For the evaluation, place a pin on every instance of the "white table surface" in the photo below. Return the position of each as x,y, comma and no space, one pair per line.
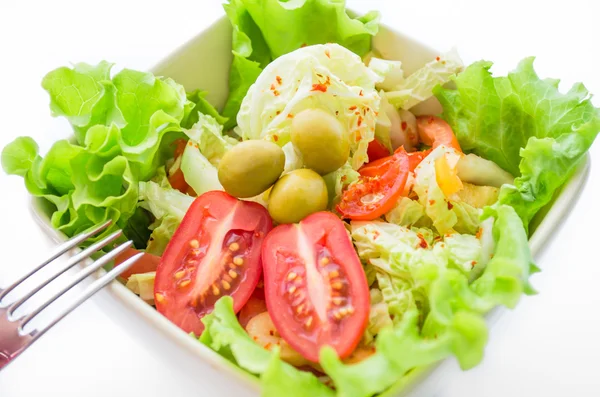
548,346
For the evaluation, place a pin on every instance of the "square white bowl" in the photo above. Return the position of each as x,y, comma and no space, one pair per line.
203,63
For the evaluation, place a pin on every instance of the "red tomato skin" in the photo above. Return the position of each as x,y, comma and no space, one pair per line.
434,131
387,177
376,150
210,210
147,263
326,234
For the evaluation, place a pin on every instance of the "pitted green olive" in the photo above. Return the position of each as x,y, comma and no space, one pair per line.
251,167
321,139
297,195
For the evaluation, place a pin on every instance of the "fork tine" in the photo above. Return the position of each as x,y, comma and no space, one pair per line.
78,278
91,290
75,259
60,250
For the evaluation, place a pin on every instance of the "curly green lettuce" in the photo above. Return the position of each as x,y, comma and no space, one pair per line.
124,126
523,124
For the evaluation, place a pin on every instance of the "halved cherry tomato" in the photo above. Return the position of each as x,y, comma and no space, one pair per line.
147,263
214,252
376,150
415,158
377,190
316,289
434,131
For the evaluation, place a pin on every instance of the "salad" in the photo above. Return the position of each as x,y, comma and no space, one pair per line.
318,231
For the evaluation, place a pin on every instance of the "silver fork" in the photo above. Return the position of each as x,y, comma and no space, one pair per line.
13,337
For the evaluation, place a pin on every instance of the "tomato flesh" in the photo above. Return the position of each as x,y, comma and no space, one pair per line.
376,150
315,286
434,131
147,263
214,252
378,189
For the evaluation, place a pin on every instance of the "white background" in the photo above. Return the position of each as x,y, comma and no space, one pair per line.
548,346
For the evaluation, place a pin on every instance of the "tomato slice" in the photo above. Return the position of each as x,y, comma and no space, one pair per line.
376,150
315,286
434,131
177,179
214,252
147,263
415,158
377,190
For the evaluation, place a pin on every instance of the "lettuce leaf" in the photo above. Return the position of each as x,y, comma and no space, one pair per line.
124,126
452,321
345,87
224,334
419,86
258,39
523,124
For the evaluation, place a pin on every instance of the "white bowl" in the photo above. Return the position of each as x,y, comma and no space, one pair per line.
203,63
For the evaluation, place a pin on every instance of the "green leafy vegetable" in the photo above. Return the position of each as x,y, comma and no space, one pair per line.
264,30
449,320
327,77
200,106
224,334
497,116
419,86
125,127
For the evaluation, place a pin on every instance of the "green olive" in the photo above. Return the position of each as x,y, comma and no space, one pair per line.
251,167
296,195
321,139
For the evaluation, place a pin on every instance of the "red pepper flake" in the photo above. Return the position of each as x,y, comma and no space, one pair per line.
450,206
404,125
360,93
473,263
357,136
290,116
272,88
268,346
196,146
190,143
364,111
343,178
276,93
479,232
422,243
437,59
327,54
359,121
303,45
319,87
278,112
278,78
375,235
431,202
357,113
275,138
337,112
271,333
352,108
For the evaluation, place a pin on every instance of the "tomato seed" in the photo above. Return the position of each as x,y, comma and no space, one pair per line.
333,274
337,285
337,301
291,276
234,247
300,308
238,260
160,298
308,322
226,285
324,261
194,243
232,274
292,289
215,290
184,283
179,274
